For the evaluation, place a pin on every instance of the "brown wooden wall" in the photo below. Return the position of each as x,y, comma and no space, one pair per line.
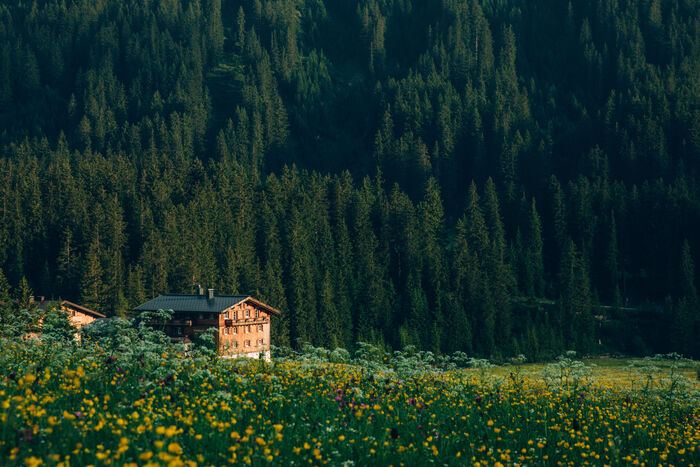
77,317
234,332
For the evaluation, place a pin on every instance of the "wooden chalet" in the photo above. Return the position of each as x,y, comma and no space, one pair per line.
79,315
242,322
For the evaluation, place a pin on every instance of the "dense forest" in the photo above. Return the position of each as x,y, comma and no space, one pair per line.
490,176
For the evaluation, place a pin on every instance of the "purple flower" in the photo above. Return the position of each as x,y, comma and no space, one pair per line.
25,434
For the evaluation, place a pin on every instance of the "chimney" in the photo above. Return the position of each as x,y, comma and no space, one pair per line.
200,290
210,294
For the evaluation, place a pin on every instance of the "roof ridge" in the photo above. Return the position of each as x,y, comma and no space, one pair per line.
197,295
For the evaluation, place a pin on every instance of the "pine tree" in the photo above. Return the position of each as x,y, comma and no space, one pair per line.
215,31
136,290
534,266
24,295
302,297
576,317
4,289
558,217
240,29
477,232
114,299
431,218
273,292
611,262
328,314
493,219
344,283
685,318
92,287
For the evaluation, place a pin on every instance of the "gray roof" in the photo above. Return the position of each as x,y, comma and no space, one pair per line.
192,303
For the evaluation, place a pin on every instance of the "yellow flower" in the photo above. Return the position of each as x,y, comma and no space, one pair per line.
33,461
144,456
259,441
175,449
277,427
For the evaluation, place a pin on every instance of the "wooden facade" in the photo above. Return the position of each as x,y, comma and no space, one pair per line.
242,323
79,315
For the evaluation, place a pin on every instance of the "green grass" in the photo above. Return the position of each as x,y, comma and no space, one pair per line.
89,405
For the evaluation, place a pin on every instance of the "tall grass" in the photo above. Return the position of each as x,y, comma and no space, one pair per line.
125,395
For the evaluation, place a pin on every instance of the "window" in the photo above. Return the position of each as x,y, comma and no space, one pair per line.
260,342
226,315
260,327
235,315
178,330
247,313
248,330
257,313
235,329
226,331
247,343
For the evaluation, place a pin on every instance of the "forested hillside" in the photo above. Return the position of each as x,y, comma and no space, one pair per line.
474,175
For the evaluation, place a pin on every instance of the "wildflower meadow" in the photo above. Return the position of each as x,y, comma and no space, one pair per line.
124,395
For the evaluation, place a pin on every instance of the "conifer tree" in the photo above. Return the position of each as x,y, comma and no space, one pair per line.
24,295
534,266
685,316
92,286
4,288
611,262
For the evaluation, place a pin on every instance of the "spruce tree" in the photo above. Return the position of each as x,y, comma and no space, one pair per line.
4,288
92,285
611,262
24,295
533,254
685,318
